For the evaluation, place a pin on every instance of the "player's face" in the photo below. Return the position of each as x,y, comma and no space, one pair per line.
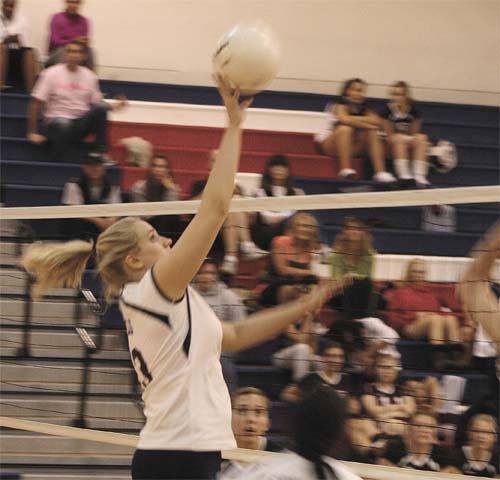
206,278
159,169
483,434
356,92
151,246
250,416
334,359
423,429
418,272
387,370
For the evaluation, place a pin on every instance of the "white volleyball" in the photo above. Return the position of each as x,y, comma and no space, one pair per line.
248,56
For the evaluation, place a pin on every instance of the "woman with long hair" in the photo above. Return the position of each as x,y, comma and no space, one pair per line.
318,428
291,259
159,186
402,123
174,337
352,128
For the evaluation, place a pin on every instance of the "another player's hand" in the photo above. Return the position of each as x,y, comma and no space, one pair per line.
231,99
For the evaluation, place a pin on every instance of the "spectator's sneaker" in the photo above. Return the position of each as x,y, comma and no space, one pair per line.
422,182
229,265
347,174
384,177
251,251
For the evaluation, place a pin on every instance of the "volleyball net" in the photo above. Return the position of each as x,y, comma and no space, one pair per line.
43,367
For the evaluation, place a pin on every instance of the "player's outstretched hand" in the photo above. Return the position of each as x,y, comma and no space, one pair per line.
231,98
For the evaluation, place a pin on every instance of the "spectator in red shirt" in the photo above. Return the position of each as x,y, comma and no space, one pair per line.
66,27
417,311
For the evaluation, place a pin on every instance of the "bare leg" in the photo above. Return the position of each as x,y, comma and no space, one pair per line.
30,69
376,151
242,225
400,152
4,58
420,164
452,328
230,235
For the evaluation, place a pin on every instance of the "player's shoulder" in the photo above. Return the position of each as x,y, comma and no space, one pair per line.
343,472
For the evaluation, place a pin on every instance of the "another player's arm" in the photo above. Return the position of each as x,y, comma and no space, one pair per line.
266,324
474,291
176,269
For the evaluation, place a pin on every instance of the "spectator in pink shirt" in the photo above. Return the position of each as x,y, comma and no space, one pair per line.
69,26
72,104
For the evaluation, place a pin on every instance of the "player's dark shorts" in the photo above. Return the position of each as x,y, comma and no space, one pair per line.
175,464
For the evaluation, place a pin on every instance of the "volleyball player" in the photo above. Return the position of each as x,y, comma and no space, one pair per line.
318,429
175,339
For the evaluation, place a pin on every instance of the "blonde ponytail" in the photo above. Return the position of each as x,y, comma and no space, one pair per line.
56,264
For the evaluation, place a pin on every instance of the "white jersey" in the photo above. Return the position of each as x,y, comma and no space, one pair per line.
288,466
175,349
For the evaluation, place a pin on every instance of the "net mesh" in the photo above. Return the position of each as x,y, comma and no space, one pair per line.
395,340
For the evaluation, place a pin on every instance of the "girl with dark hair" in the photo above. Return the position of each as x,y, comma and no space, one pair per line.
159,186
402,124
318,430
351,128
276,182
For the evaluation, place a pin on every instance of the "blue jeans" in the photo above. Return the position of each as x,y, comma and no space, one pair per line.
62,132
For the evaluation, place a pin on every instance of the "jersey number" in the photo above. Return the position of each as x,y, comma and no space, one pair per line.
143,374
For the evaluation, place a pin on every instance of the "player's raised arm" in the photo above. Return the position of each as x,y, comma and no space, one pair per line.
175,269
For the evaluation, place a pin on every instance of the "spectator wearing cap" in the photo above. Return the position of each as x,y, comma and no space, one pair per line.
66,27
91,188
276,182
17,61
72,104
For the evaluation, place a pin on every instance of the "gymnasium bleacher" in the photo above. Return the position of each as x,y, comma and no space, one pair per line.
30,179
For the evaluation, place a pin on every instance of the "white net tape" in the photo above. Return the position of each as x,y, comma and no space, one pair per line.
405,198
367,472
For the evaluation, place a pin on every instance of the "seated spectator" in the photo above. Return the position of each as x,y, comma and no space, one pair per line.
18,62
384,400
159,186
420,449
73,106
93,187
276,182
235,233
402,123
353,253
291,259
67,27
427,394
416,311
227,306
352,128
480,456
251,420
330,365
